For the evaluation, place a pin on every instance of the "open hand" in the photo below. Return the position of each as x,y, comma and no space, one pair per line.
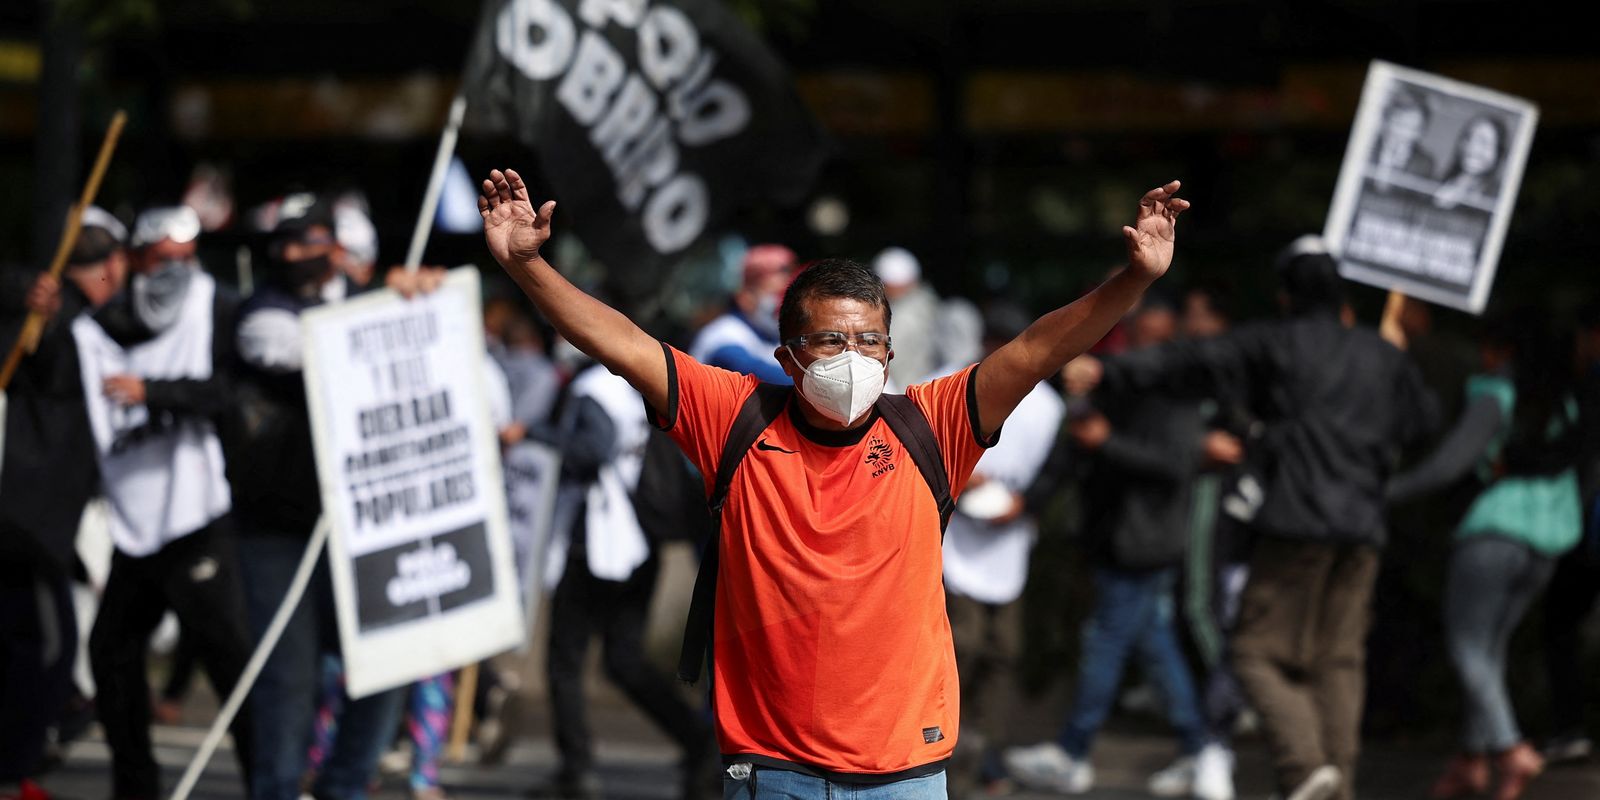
514,231
1150,238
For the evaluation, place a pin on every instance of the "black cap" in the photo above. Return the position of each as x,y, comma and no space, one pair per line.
298,213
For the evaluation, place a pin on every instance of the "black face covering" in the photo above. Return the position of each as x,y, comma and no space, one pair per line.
307,275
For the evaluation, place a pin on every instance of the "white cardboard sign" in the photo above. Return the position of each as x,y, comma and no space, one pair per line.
409,467
1429,180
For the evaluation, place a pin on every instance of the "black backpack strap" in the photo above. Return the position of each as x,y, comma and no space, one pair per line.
912,429
759,411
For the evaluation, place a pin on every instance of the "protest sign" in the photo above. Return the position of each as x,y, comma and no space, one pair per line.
1429,179
411,482
653,122
533,473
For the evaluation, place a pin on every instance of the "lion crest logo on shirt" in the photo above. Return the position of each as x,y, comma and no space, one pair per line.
880,456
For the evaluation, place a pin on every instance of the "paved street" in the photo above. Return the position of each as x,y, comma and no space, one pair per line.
637,763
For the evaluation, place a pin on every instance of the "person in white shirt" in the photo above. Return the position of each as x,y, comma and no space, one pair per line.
152,362
744,338
986,548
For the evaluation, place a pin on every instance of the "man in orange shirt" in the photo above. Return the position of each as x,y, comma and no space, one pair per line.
833,665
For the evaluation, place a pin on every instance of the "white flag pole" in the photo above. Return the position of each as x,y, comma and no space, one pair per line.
441,164
258,659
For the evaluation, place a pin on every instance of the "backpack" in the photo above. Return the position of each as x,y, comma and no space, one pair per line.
666,499
758,413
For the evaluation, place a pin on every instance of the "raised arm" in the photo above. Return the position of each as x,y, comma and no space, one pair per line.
515,232
1063,334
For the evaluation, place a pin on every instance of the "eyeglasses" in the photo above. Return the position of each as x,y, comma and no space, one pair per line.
825,344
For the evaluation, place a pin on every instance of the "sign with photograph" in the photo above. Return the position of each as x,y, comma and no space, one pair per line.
409,467
1429,180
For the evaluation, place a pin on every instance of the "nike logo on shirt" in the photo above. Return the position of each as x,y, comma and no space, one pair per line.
762,445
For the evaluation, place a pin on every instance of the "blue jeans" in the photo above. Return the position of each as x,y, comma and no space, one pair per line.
778,784
283,702
1491,584
1133,610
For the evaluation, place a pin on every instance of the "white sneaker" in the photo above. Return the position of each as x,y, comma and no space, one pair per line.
1213,774
1568,748
1177,780
1047,766
1321,784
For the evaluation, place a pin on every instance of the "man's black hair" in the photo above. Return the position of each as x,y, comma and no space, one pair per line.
829,277
1541,371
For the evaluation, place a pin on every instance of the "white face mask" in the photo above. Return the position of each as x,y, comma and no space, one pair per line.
844,386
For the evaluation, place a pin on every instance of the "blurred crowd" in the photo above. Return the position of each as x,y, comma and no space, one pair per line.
1233,482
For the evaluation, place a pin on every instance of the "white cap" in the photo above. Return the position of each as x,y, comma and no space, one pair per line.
1309,244
356,234
897,267
97,217
178,223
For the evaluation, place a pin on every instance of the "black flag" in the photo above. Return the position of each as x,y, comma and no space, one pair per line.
652,121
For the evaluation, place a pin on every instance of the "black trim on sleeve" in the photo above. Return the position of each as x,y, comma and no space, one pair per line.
972,411
665,422
856,778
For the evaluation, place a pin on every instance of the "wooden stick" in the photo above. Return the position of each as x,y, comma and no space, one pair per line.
466,690
28,341
1389,327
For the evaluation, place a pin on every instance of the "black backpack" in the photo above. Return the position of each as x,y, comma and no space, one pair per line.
667,499
758,413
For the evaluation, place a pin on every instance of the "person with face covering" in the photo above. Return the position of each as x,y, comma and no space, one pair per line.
154,370
833,670
278,502
742,339
48,475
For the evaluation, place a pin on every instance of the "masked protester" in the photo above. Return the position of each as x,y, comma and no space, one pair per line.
47,476
155,381
833,669
742,339
274,482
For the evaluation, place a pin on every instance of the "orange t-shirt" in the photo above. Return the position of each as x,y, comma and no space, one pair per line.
833,653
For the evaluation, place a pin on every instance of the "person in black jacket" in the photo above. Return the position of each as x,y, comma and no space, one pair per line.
1146,450
47,474
273,472
1337,404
